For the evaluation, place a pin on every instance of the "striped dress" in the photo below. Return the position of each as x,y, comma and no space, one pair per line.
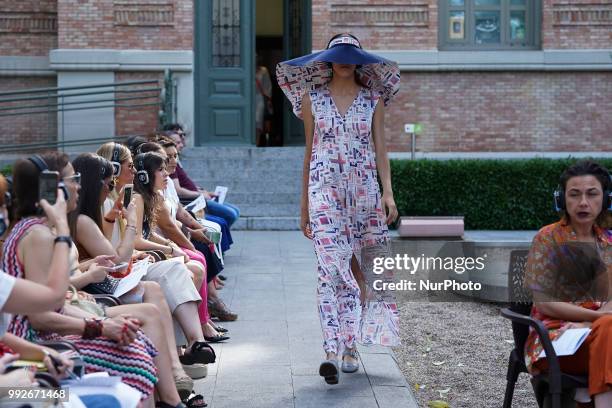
133,363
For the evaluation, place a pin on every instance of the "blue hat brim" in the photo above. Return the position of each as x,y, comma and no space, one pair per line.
304,74
340,54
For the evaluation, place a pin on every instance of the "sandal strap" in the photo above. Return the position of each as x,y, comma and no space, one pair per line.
195,401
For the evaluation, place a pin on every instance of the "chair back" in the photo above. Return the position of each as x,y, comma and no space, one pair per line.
520,296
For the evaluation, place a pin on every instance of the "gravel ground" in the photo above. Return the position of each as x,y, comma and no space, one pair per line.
461,348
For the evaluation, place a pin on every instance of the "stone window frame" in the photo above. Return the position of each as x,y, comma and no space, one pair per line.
533,28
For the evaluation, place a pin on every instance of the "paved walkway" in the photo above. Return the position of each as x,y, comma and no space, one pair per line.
273,356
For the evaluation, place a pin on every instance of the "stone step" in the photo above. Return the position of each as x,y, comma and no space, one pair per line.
258,197
268,209
267,223
242,152
264,183
281,189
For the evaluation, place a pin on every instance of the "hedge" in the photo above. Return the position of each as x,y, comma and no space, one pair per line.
490,194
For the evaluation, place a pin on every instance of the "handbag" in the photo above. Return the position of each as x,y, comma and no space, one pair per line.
85,305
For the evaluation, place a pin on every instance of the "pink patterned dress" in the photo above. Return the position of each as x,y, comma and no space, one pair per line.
347,218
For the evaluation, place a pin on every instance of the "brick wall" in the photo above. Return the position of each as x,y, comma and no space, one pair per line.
379,24
577,24
28,27
136,120
28,128
121,24
529,111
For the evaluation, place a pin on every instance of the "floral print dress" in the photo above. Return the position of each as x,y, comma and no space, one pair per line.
347,218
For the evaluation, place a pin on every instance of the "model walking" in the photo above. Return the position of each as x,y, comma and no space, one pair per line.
337,93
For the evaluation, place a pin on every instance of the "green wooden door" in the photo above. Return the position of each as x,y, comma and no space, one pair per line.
297,42
224,71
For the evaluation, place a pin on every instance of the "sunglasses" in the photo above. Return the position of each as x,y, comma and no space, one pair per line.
75,178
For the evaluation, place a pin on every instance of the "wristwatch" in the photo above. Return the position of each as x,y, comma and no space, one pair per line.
63,238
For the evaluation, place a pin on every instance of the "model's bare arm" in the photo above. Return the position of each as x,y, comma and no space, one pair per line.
382,163
308,132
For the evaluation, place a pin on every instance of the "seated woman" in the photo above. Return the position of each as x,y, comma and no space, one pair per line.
167,217
86,223
40,298
151,178
555,273
120,343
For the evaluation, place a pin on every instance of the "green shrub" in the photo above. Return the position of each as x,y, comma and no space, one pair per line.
6,170
490,194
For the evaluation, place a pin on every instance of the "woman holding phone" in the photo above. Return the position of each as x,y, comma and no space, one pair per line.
40,298
117,345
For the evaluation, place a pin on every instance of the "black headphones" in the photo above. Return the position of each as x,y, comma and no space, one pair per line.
39,162
141,174
115,160
41,165
559,197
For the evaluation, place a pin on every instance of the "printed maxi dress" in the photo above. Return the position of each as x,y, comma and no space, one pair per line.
347,219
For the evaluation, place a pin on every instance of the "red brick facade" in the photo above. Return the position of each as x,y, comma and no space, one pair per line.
485,111
374,22
156,25
579,24
28,27
138,120
461,111
30,128
503,111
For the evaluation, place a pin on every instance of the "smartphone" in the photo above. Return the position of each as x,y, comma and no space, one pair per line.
119,267
47,186
40,366
213,236
127,195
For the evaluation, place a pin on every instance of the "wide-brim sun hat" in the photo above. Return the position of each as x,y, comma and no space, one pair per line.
307,73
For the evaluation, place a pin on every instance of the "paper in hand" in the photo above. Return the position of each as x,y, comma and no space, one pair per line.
220,192
196,205
139,269
568,342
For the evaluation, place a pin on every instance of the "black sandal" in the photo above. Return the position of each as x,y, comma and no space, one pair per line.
162,404
195,401
216,339
199,352
218,328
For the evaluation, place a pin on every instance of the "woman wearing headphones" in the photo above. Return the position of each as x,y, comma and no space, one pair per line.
564,295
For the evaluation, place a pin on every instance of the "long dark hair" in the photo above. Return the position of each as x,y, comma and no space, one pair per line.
94,170
149,162
25,183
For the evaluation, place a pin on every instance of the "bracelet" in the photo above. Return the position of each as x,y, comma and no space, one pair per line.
93,329
109,221
63,238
